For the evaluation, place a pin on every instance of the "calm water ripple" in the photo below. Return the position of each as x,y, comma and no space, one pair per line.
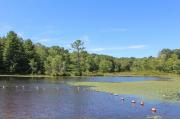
55,99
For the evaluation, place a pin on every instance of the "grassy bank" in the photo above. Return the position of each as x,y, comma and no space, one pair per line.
18,75
168,90
139,73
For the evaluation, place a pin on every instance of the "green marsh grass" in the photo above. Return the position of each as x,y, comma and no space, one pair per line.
167,89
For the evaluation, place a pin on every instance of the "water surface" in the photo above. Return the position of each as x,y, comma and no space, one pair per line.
54,98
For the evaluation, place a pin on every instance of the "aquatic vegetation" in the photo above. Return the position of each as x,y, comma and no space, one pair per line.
168,90
154,117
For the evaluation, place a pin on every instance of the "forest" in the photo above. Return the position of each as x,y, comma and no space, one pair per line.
19,56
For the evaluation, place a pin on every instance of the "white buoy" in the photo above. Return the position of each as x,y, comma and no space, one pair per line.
133,101
78,89
37,88
142,103
153,109
3,87
122,98
16,86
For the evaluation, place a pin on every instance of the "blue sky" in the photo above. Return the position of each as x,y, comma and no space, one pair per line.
121,28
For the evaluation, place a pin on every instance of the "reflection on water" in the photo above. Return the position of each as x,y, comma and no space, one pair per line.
47,98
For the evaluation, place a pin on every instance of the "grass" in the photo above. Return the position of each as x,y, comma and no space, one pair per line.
30,75
168,90
139,73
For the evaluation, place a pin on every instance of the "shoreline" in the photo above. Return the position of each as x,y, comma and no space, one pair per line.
120,74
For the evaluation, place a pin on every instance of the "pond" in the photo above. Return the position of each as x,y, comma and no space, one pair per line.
55,98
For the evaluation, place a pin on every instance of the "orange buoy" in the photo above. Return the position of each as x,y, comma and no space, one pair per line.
133,101
142,103
153,109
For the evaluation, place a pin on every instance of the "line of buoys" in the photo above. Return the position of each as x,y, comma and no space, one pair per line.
153,109
37,88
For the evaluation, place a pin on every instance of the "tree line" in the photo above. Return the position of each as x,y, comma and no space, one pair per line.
19,56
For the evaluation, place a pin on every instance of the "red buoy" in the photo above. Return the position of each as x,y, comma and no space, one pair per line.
153,109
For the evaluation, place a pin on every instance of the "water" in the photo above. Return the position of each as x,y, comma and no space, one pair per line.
53,98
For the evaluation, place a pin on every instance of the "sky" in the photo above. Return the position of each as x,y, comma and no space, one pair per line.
120,28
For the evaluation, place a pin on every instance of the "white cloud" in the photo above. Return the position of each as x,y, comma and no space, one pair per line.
85,38
131,47
115,30
137,46
48,37
43,40
21,34
98,49
4,29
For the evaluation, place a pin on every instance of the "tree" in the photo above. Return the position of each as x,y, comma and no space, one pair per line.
177,52
165,54
105,66
176,67
30,55
57,61
14,55
78,48
29,49
33,66
126,64
137,65
40,57
18,56
1,56
91,63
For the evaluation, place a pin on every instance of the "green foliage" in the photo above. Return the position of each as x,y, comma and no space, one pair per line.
91,63
1,55
176,66
105,66
33,66
78,49
57,61
18,56
166,90
14,55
